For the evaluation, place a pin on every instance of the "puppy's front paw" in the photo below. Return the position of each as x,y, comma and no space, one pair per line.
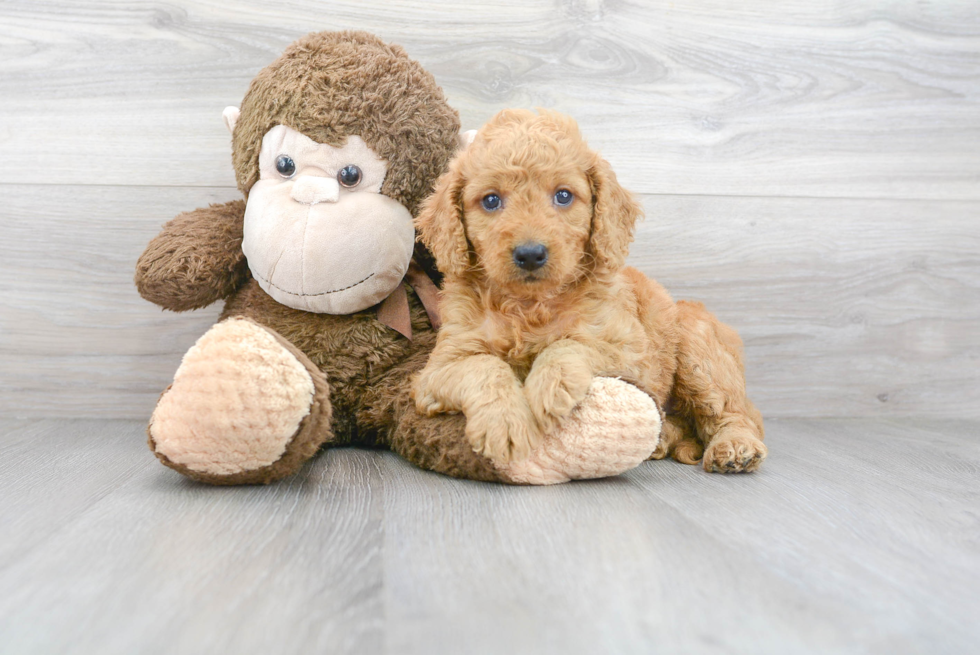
428,405
613,429
503,431
427,401
553,390
738,453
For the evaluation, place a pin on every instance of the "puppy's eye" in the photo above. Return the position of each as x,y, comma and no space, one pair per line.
285,165
563,197
349,176
491,202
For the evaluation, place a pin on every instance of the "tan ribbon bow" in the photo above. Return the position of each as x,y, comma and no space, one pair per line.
393,310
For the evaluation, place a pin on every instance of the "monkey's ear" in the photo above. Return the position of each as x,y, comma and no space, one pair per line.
440,223
614,214
230,115
465,139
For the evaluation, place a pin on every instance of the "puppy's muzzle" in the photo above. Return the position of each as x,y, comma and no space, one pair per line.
530,256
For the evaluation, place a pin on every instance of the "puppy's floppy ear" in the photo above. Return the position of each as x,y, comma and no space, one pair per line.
440,223
614,214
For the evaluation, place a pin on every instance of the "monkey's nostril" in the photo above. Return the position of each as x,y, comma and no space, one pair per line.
530,256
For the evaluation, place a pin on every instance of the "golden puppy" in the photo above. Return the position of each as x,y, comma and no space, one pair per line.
532,230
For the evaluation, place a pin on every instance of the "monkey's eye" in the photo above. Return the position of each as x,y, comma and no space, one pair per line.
349,176
563,197
491,202
285,165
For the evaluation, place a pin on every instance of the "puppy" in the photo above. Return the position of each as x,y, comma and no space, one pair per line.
531,231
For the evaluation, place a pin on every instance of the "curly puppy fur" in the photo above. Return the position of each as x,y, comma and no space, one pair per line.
520,344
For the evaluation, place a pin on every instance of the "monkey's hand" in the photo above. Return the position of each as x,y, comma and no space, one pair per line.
196,259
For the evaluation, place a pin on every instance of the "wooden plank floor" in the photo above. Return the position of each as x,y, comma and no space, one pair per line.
859,535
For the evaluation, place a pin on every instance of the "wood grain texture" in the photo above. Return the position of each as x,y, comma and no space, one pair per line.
831,548
847,307
75,337
858,535
827,98
111,554
812,172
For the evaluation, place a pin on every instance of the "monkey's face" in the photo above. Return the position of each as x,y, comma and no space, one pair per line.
319,235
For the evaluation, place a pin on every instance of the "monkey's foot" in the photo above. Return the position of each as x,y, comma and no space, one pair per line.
612,430
245,407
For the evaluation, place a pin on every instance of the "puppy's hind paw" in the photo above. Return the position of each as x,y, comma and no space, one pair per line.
739,453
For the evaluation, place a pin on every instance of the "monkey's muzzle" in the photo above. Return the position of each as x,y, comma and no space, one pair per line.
313,189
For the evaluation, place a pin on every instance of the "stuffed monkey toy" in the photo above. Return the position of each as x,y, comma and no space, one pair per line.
330,304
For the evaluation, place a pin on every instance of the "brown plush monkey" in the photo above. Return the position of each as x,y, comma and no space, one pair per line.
329,305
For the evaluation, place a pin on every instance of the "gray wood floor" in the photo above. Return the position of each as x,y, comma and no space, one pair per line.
858,536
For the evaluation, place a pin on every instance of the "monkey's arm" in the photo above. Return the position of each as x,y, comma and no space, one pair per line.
196,259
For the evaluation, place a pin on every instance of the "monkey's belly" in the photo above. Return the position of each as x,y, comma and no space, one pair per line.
353,350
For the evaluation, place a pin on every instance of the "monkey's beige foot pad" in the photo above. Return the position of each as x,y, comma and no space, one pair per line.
245,406
613,429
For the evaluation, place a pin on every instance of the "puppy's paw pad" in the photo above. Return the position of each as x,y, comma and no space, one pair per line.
737,454
236,401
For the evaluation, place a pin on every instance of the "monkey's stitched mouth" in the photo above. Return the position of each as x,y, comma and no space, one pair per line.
311,295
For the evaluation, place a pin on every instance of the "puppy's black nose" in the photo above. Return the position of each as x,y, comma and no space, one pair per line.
530,256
